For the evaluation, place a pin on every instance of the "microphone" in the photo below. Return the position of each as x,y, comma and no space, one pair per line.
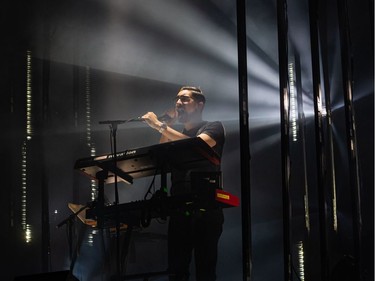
112,122
164,118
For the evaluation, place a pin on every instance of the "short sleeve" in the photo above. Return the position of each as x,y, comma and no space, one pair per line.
217,132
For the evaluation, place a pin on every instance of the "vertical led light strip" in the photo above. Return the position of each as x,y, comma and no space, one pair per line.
89,142
293,101
29,131
26,228
301,260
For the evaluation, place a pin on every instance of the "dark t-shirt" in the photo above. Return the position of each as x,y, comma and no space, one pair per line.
181,178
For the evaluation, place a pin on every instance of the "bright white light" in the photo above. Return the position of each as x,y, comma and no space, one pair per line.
301,260
28,233
24,187
29,129
293,101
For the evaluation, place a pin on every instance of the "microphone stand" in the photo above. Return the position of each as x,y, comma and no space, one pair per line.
69,222
113,127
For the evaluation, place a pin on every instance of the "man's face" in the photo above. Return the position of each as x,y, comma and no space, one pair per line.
187,108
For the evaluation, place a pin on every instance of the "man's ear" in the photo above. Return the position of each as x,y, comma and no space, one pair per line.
201,105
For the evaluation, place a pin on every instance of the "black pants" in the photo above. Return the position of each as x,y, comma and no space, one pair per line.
199,232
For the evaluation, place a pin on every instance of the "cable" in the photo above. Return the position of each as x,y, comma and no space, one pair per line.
152,184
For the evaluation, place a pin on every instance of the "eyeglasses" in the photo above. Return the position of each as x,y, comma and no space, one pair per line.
183,99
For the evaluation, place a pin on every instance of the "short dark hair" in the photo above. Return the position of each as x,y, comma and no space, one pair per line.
196,93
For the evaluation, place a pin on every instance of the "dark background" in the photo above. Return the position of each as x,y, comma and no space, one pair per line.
97,60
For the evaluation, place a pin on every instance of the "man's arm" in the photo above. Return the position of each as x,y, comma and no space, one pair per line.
170,134
210,141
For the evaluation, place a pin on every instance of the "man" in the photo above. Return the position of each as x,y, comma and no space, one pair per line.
200,231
